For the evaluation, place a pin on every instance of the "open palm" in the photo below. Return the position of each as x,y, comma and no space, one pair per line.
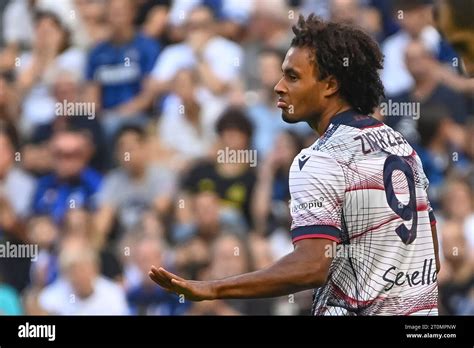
192,290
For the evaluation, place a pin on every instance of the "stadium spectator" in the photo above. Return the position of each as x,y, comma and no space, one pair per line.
454,21
356,13
42,231
187,124
457,288
72,184
427,89
16,186
439,150
205,224
216,60
16,191
9,103
90,27
15,37
52,50
67,88
229,256
231,176
144,298
118,68
457,190
415,19
269,28
80,290
135,187
272,193
152,17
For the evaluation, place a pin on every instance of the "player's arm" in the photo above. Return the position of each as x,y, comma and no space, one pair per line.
304,268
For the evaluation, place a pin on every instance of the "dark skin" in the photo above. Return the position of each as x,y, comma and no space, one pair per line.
302,97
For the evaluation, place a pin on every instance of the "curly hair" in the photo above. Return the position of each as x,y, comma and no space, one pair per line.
348,54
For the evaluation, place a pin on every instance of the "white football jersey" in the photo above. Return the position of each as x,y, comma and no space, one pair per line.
362,186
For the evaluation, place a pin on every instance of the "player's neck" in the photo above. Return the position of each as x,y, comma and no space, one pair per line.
323,121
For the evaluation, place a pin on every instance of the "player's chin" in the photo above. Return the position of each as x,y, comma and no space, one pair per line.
288,118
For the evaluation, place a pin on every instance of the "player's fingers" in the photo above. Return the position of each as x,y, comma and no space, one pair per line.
163,282
180,285
161,276
169,275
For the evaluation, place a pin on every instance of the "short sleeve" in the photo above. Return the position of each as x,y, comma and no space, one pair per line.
317,188
111,190
171,60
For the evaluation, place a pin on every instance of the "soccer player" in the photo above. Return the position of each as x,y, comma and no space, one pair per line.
360,186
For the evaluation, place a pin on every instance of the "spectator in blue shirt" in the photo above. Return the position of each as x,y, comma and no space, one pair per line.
72,184
117,68
143,297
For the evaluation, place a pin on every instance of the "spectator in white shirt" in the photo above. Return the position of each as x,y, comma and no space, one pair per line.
217,60
51,51
187,123
81,290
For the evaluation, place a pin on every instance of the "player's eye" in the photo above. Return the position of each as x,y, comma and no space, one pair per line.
293,78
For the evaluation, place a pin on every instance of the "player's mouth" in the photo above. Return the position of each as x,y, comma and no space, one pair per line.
282,104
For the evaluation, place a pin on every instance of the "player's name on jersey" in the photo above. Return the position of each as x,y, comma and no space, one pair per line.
375,139
424,276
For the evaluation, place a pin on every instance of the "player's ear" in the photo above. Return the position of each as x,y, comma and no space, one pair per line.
332,86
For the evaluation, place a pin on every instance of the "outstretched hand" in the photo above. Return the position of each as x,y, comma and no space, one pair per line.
192,290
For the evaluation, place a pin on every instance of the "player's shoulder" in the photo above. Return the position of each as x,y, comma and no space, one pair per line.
314,160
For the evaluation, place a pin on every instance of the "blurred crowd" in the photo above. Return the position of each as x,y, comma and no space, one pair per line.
112,113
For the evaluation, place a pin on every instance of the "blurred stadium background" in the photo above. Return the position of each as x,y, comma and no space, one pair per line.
111,116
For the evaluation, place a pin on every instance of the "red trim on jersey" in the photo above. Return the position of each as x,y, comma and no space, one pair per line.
354,302
317,235
420,308
373,126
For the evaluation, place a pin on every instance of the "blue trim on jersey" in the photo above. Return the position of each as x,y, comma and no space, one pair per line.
316,229
354,119
432,217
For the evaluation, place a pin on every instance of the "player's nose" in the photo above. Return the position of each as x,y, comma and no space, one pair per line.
280,88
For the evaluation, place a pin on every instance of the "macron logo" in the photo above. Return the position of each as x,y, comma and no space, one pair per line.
37,331
303,160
